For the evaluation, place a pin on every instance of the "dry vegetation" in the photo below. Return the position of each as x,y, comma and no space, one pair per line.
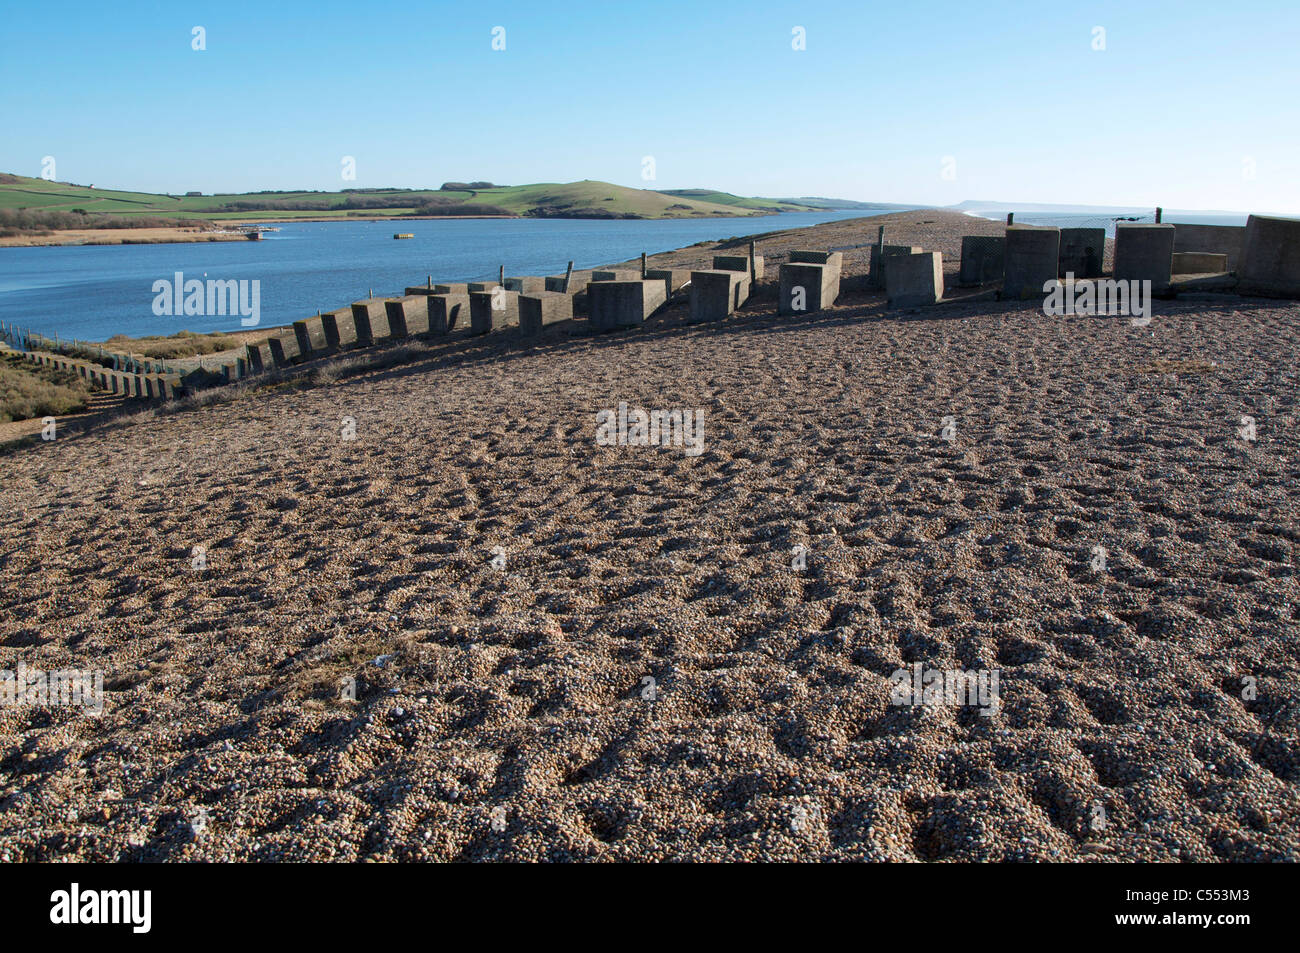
27,390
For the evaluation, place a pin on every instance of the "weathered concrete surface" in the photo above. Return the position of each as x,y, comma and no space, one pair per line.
493,310
738,263
425,289
674,279
310,333
716,293
259,357
340,328
1144,253
526,284
914,280
371,320
1270,257
623,304
577,283
808,286
879,262
483,285
811,256
284,350
606,274
1199,263
541,308
1217,239
577,289
983,258
1032,257
448,312
408,316
452,288
1082,252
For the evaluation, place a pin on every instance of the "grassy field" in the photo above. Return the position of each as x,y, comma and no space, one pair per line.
586,199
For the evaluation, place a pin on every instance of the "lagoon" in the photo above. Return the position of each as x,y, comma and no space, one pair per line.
94,292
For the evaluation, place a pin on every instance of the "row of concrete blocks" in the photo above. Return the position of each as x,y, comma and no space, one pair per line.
153,386
612,299
1264,254
621,299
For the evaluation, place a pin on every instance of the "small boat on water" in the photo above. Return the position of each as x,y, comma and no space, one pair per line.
404,235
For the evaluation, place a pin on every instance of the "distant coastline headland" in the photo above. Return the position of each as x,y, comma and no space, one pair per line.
35,211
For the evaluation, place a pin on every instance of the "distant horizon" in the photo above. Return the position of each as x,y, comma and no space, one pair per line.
963,205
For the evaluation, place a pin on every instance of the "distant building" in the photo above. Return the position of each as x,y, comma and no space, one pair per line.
188,194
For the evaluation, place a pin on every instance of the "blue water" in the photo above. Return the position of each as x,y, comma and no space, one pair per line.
94,292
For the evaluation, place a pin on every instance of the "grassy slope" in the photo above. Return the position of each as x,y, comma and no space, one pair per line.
726,198
20,191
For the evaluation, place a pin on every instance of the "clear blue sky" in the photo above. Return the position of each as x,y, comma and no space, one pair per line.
1187,99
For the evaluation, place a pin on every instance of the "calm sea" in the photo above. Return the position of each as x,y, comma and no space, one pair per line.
92,293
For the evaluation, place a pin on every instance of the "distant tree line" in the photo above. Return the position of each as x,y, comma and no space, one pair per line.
468,186
14,222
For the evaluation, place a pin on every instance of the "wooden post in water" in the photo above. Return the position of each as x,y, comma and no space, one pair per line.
429,282
501,275
1160,213
568,276
1011,218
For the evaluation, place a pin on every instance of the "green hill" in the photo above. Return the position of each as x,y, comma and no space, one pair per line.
586,199
726,198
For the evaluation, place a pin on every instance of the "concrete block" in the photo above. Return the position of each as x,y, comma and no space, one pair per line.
807,286
1199,262
578,282
982,259
448,312
1270,257
1217,239
1081,252
1144,253
493,310
421,290
259,357
371,320
526,284
623,304
616,275
284,350
1032,257
878,262
716,293
408,316
310,333
738,263
542,308
340,328
142,389
812,257
674,279
482,286
453,288
915,280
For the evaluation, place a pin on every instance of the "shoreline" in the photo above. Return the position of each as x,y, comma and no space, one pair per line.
80,237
